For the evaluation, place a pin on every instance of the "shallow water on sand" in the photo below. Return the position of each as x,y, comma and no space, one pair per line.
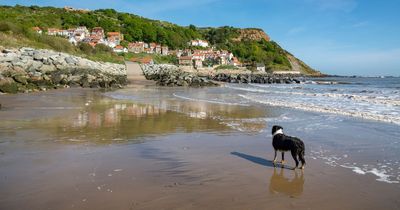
169,148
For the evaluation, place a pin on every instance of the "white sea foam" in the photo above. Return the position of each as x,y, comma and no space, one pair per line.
208,101
373,99
381,174
383,171
365,114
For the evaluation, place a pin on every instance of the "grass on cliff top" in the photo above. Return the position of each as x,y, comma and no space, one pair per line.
16,36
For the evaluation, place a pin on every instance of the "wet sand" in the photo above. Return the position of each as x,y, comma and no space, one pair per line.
78,149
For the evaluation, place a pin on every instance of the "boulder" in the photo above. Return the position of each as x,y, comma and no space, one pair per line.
8,85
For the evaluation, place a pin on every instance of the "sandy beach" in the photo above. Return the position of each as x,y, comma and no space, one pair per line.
80,149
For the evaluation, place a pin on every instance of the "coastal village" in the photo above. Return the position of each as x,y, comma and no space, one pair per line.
203,54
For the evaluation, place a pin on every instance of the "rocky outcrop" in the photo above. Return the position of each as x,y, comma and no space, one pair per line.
170,75
255,78
251,34
27,69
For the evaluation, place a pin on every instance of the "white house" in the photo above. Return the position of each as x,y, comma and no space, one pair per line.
120,49
72,40
260,67
198,42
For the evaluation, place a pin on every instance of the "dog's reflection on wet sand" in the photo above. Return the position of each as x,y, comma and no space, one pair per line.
290,185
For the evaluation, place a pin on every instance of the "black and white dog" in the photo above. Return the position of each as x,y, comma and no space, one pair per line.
284,143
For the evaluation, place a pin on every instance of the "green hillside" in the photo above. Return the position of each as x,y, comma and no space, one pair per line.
17,20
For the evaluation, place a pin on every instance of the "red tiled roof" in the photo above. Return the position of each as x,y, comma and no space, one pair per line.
113,33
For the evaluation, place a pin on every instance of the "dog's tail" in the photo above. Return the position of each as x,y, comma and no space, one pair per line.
302,153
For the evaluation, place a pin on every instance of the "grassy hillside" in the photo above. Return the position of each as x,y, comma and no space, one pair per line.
248,47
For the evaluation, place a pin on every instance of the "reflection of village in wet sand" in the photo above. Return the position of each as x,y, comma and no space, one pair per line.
112,120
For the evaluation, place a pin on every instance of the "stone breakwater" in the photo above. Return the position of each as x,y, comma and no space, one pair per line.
262,78
27,70
171,75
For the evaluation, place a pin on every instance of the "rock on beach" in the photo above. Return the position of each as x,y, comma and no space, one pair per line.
28,69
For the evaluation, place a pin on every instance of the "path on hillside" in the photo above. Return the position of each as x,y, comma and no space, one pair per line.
135,75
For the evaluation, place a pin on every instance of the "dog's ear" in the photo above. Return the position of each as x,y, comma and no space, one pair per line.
276,128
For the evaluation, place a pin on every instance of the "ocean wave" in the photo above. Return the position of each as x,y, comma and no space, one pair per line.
388,99
327,109
209,101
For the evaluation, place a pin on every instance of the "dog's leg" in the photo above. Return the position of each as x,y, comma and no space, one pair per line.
294,155
283,158
274,158
303,161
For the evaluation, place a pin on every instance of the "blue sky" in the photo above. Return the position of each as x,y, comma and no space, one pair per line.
346,37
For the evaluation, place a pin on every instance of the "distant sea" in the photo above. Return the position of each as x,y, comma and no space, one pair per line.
368,98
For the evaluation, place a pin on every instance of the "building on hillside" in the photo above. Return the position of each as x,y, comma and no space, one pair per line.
120,49
53,31
223,60
152,47
164,50
199,43
235,62
82,30
63,33
114,38
136,47
79,37
98,32
260,67
37,30
197,62
72,40
71,32
198,56
185,61
157,50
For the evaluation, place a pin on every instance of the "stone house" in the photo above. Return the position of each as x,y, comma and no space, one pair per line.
136,47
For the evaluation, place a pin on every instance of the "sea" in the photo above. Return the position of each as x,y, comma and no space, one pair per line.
347,122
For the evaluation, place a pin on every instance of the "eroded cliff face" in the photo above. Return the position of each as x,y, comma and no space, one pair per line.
251,34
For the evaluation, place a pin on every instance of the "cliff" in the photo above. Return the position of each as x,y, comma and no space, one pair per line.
251,34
